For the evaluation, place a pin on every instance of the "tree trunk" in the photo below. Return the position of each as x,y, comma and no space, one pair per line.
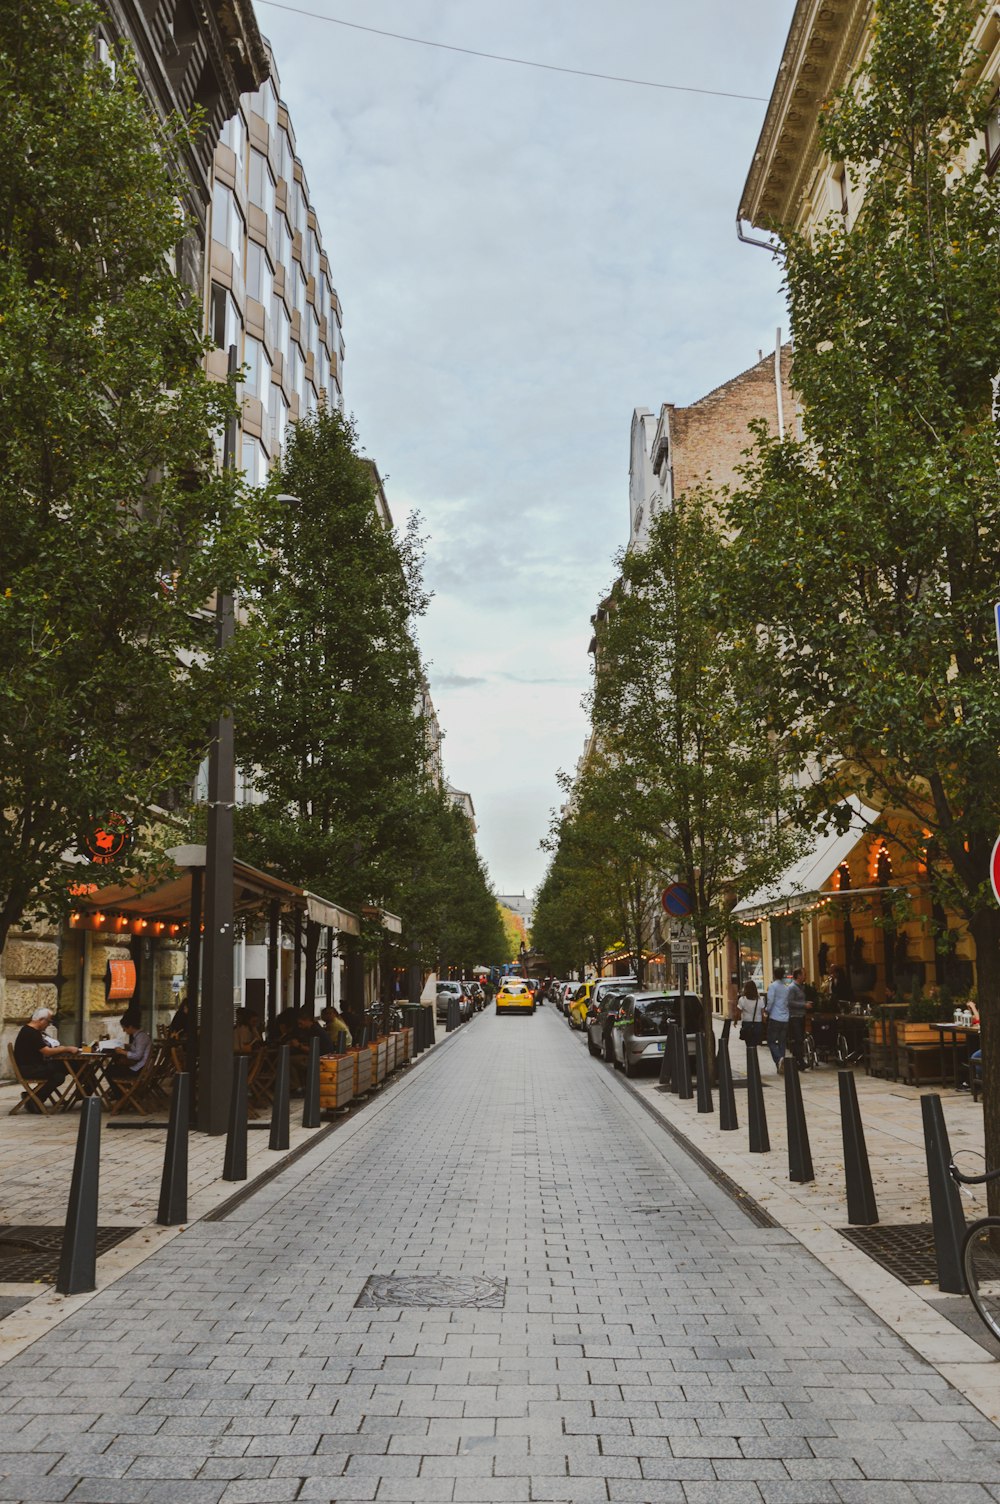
985,928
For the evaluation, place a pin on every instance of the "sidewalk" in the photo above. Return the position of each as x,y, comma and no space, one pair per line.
36,1163
814,1212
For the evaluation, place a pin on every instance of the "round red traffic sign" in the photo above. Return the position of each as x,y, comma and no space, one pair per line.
676,900
995,870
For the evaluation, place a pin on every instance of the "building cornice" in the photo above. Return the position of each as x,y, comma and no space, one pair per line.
820,51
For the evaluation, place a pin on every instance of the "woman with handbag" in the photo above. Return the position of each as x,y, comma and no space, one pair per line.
751,1010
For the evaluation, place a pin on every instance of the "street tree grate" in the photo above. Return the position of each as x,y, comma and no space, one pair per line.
30,1255
478,1292
905,1249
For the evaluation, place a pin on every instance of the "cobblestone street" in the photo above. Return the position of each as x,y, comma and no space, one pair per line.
654,1343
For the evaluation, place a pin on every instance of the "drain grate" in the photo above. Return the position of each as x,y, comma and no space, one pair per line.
477,1292
905,1249
30,1255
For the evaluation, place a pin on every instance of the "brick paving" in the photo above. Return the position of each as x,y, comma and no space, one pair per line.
654,1344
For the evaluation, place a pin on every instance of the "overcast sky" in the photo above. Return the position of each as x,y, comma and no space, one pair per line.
523,258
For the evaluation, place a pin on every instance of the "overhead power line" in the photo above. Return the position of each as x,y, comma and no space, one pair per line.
520,62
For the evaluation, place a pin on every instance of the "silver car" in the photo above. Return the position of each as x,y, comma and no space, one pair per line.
639,1032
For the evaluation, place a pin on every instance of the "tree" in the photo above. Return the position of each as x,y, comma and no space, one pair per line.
676,701
116,523
327,705
873,543
575,909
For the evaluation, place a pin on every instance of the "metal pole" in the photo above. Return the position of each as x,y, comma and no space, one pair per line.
194,968
760,1142
800,1165
280,1101
310,1103
235,1166
217,1013
727,1097
946,1203
862,1210
273,955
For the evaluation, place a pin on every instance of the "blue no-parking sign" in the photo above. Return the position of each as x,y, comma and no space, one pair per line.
676,900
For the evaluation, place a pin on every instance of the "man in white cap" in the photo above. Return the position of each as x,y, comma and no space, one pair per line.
38,1058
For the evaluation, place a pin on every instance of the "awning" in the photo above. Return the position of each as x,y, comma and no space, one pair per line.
801,883
331,916
170,899
390,922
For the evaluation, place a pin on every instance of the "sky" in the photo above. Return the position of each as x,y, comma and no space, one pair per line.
523,258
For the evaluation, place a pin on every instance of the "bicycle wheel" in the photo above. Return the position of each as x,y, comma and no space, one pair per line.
981,1262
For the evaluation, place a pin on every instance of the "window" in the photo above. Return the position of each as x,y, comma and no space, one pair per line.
298,288
279,419
282,241
228,228
786,942
234,135
285,156
257,382
259,274
993,137
298,207
261,187
254,462
279,325
265,104
224,318
312,253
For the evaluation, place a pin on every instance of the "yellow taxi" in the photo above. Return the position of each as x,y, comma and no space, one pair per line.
515,996
576,1011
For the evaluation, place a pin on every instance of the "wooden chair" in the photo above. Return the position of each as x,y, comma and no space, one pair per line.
260,1076
146,1091
54,1102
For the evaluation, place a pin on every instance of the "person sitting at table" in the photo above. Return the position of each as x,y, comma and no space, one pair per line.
130,1059
336,1024
247,1035
37,1057
181,1021
281,1029
307,1029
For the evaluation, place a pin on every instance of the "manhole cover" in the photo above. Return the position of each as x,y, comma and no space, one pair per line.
31,1254
905,1249
479,1292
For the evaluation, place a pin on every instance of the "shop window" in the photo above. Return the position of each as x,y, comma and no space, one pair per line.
883,866
751,942
843,877
786,942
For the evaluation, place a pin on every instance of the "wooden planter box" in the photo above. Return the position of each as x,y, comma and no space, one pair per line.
378,1050
362,1070
404,1049
390,1054
905,1032
336,1082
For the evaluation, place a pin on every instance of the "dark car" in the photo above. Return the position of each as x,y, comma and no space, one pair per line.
639,1032
604,1005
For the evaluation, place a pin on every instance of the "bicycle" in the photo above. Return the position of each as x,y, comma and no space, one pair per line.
981,1256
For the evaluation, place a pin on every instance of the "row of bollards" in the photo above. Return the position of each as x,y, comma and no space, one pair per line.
77,1272
948,1218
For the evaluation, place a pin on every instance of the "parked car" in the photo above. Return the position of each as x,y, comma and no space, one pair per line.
447,992
639,1032
605,1002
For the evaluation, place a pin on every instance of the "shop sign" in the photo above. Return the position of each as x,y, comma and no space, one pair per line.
106,841
119,980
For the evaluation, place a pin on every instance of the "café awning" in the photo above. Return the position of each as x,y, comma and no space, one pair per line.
169,899
800,885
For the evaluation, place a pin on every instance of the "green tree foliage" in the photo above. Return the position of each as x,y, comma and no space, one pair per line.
448,908
327,710
575,910
676,704
871,548
116,524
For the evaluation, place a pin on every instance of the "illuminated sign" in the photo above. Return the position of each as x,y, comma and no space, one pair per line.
107,841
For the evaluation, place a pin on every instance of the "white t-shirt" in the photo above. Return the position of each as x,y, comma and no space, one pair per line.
751,1009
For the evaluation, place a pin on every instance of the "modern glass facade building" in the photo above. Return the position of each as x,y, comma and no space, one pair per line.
270,293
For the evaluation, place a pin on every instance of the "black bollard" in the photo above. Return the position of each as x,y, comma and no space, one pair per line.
684,1089
235,1164
310,1102
701,1072
760,1142
448,1018
666,1081
340,1043
78,1260
173,1208
280,1102
946,1203
430,1023
727,1097
861,1208
800,1165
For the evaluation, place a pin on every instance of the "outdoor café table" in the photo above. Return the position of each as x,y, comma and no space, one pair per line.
88,1072
968,1032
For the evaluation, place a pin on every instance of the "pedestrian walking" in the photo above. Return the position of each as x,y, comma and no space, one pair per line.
776,1014
750,1008
797,1003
